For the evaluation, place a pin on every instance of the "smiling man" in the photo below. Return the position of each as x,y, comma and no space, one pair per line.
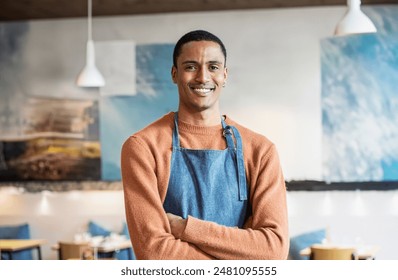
198,185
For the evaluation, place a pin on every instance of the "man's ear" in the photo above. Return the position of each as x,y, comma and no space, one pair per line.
174,74
225,74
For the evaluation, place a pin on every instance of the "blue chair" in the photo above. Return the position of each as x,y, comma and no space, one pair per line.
126,254
304,240
16,232
97,230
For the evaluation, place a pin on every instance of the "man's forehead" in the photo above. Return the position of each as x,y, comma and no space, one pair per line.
201,45
192,51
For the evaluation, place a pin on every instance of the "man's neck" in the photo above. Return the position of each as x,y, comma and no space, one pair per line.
203,118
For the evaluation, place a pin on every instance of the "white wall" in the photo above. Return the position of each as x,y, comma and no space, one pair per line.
273,53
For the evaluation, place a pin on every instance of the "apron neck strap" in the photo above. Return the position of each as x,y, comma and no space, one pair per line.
227,132
176,139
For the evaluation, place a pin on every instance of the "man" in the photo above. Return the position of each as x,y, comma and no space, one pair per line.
198,185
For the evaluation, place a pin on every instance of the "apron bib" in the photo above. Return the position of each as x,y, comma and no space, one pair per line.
208,184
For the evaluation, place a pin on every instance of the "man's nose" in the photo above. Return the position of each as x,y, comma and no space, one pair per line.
203,75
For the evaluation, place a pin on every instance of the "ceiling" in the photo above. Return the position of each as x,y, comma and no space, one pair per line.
13,10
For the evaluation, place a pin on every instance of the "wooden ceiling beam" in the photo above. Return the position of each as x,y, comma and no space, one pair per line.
12,10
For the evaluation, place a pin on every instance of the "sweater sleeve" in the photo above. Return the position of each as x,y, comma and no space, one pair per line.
265,234
147,221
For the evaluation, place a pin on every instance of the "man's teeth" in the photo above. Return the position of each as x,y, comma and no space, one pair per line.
202,90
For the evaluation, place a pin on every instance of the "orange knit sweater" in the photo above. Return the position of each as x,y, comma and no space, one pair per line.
145,166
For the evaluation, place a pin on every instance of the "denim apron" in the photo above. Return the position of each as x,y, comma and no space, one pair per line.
208,184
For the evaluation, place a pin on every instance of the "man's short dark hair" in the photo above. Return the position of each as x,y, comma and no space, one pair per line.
197,35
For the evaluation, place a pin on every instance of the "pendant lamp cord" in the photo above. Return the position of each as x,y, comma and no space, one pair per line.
89,21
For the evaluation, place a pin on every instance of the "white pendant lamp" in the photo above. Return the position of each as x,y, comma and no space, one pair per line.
90,76
354,21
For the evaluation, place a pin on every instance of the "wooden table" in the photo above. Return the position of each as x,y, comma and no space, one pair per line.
362,252
14,245
108,247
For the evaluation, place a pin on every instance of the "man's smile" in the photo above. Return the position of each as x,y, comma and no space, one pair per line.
202,90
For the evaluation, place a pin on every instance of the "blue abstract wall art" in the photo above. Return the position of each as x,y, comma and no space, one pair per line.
121,116
360,103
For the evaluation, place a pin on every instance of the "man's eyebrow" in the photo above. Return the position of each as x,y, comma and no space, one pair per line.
195,62
190,62
215,62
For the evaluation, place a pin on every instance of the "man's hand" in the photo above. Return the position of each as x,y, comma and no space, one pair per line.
177,225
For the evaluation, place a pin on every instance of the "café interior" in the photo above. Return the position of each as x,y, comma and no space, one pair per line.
318,84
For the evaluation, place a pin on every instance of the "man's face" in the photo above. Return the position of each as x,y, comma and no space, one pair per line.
200,75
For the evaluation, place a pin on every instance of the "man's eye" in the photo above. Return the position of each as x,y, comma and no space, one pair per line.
214,67
190,67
